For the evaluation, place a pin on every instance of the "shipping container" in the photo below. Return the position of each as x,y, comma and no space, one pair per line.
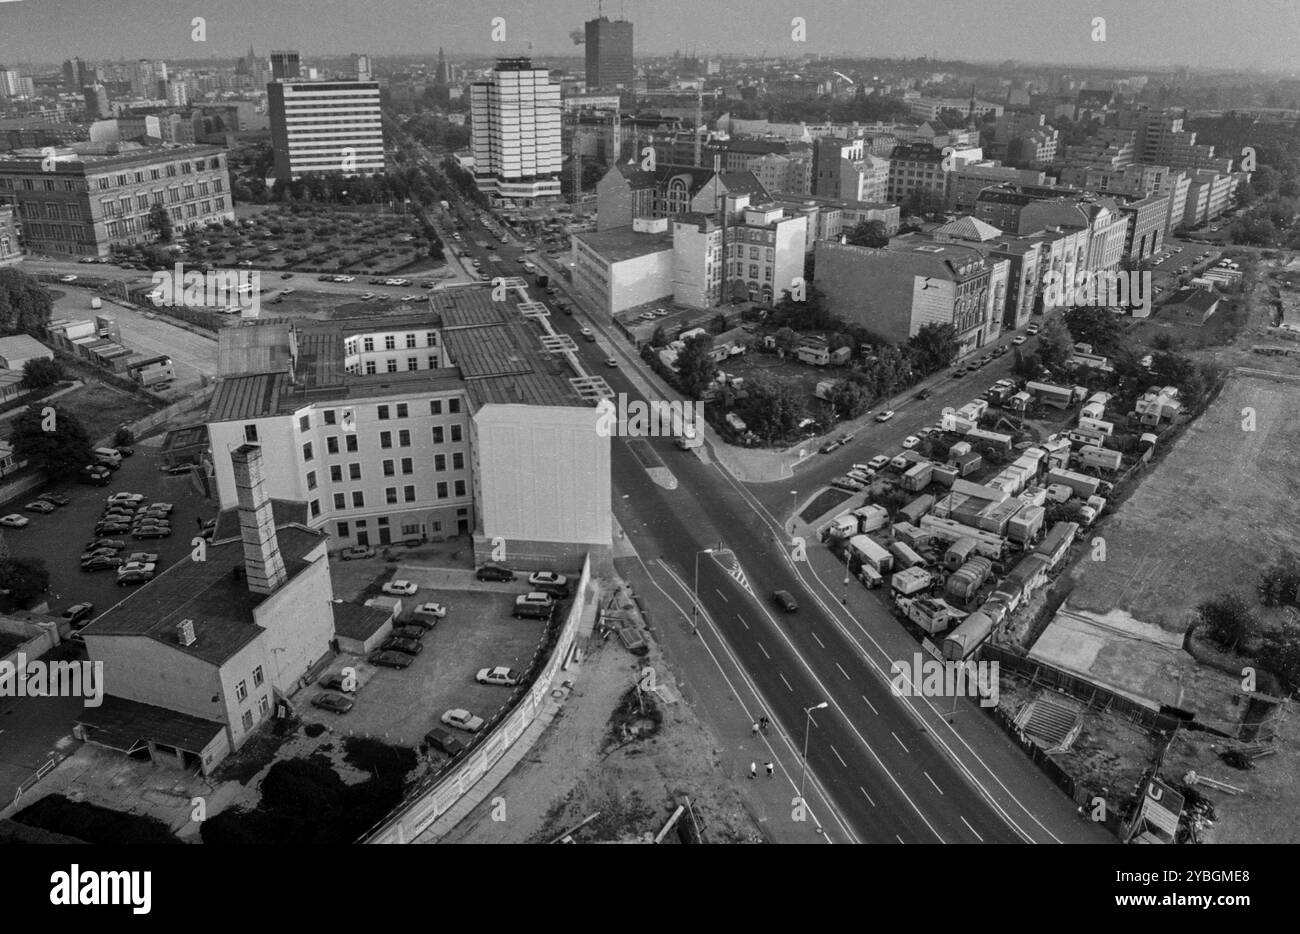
917,478
910,581
967,637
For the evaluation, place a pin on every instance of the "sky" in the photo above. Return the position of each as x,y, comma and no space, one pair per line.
1198,33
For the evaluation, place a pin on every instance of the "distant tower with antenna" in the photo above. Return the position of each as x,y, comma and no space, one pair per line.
609,52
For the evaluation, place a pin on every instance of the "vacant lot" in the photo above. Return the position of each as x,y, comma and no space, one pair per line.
1218,508
103,407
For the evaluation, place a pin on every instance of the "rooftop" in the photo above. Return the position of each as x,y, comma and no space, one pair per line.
207,592
623,243
127,725
354,621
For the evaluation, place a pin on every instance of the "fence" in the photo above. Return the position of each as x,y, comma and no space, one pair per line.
31,780
143,425
438,794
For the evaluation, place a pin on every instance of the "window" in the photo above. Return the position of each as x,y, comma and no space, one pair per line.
241,691
304,423
311,479
351,444
354,471
370,368
404,438
435,407
315,508
440,462
385,439
248,714
383,413
411,529
401,410
458,461
250,434
358,499
442,490
392,364
340,501
306,451
433,362
263,705
368,344
409,493
408,465
410,340
390,342
437,527
388,468
390,494
455,433
257,677
329,416
453,406
430,338
460,487
332,444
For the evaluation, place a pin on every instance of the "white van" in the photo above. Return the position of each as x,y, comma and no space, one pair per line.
109,457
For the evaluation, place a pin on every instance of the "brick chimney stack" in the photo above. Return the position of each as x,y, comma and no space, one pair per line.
262,562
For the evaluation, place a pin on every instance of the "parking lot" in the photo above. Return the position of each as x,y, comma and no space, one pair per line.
400,706
59,536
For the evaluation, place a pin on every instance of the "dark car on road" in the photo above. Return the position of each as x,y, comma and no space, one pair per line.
58,499
391,659
785,600
337,682
494,572
151,531
115,543
409,633
443,741
406,646
336,703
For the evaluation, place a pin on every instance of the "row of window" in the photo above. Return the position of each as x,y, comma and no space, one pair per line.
390,342
443,489
439,434
156,172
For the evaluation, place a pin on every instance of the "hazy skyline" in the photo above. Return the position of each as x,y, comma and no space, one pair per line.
1198,33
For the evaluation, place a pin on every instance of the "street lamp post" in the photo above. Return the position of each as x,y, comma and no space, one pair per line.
794,506
807,723
695,591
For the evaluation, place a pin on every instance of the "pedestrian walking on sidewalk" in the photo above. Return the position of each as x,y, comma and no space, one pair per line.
763,722
753,769
753,730
770,769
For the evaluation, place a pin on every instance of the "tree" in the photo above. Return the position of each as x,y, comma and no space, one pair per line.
1026,366
1228,620
1279,583
774,407
1054,344
51,439
40,372
933,347
24,304
850,398
24,579
694,368
1099,327
1282,651
869,233
160,223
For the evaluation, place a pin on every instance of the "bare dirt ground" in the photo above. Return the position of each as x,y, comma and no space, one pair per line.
583,765
1216,510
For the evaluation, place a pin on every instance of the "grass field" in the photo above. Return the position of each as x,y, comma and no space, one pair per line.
102,407
1218,508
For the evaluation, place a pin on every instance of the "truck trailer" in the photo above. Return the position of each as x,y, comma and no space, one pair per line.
871,554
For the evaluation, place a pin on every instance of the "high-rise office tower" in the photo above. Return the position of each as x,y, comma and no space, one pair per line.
97,107
285,66
516,131
325,126
361,66
609,53
75,74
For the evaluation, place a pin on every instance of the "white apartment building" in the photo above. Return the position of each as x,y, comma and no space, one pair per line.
516,132
765,249
325,126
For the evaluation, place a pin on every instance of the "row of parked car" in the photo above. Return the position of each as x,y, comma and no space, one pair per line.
127,513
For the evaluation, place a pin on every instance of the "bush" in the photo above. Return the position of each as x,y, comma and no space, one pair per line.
39,373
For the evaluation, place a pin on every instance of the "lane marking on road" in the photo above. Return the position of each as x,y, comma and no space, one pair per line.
971,829
932,782
871,705
819,641
837,755
721,594
900,742
867,796
899,839
787,683
843,672
763,650
742,620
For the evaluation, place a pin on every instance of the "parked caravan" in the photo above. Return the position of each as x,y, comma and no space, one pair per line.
967,637
905,557
871,554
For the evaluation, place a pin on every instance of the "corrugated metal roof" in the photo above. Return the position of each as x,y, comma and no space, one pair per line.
256,396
